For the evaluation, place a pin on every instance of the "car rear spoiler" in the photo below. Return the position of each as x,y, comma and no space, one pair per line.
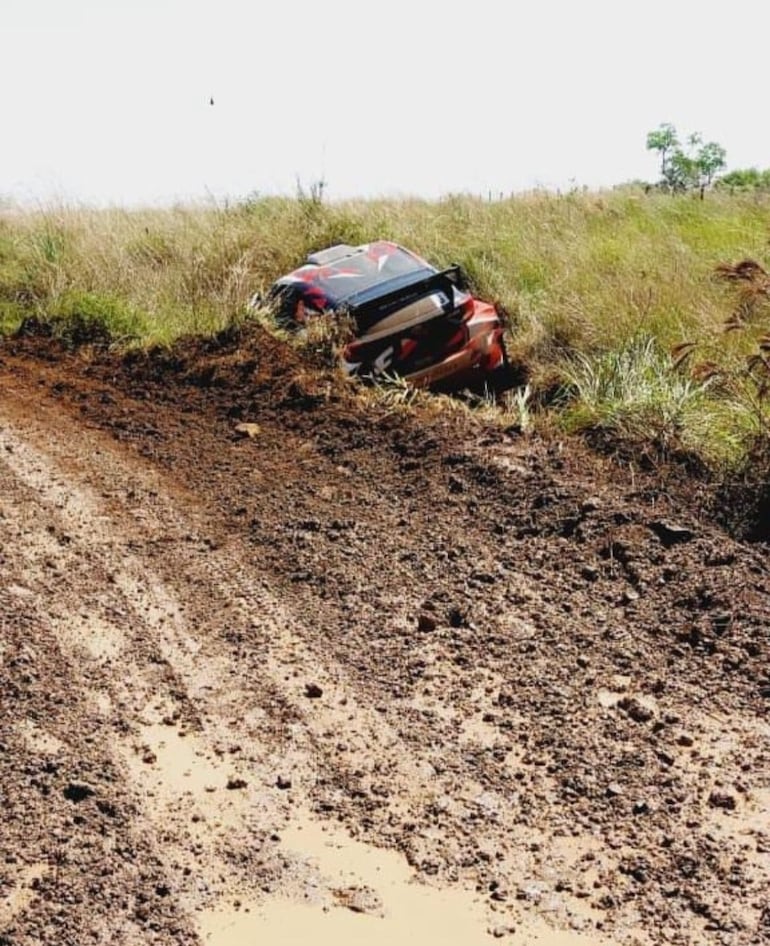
369,312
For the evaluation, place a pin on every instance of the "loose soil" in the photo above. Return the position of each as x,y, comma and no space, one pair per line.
281,665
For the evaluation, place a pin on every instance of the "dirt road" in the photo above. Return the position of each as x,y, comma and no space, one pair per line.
279,667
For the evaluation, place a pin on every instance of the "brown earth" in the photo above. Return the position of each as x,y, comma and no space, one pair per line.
278,665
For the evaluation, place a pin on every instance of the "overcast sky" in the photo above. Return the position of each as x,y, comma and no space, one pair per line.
107,101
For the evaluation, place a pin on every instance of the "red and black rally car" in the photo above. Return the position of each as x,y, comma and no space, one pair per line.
408,318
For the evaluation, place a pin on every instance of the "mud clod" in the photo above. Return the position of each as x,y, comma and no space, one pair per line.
78,791
426,623
637,710
724,800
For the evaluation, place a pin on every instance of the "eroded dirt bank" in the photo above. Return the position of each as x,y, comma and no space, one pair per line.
342,675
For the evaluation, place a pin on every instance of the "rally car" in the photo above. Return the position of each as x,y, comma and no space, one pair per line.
408,318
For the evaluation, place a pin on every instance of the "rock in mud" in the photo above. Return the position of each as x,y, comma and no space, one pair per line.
360,900
671,533
498,932
248,430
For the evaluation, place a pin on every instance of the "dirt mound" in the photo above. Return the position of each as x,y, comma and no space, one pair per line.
743,503
235,359
265,646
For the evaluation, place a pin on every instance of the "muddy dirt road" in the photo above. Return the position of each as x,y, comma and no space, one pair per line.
343,675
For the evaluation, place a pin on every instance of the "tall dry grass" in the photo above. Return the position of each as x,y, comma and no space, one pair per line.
583,276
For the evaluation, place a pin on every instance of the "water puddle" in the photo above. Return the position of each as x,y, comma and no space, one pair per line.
750,819
102,641
22,893
177,766
39,740
368,895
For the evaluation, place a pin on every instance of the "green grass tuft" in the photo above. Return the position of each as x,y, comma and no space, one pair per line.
631,392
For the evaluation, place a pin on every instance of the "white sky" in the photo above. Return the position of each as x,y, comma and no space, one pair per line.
106,101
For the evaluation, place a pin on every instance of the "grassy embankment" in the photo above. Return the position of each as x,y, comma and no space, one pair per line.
599,287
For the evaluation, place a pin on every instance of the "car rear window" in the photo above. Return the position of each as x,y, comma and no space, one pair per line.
375,264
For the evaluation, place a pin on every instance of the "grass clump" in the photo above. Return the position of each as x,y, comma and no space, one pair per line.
632,394
12,315
79,318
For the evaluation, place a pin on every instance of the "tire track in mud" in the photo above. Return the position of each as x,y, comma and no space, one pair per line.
80,865
219,766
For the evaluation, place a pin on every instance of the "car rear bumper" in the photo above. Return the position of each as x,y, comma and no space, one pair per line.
484,353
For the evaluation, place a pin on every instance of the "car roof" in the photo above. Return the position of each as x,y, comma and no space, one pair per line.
333,275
